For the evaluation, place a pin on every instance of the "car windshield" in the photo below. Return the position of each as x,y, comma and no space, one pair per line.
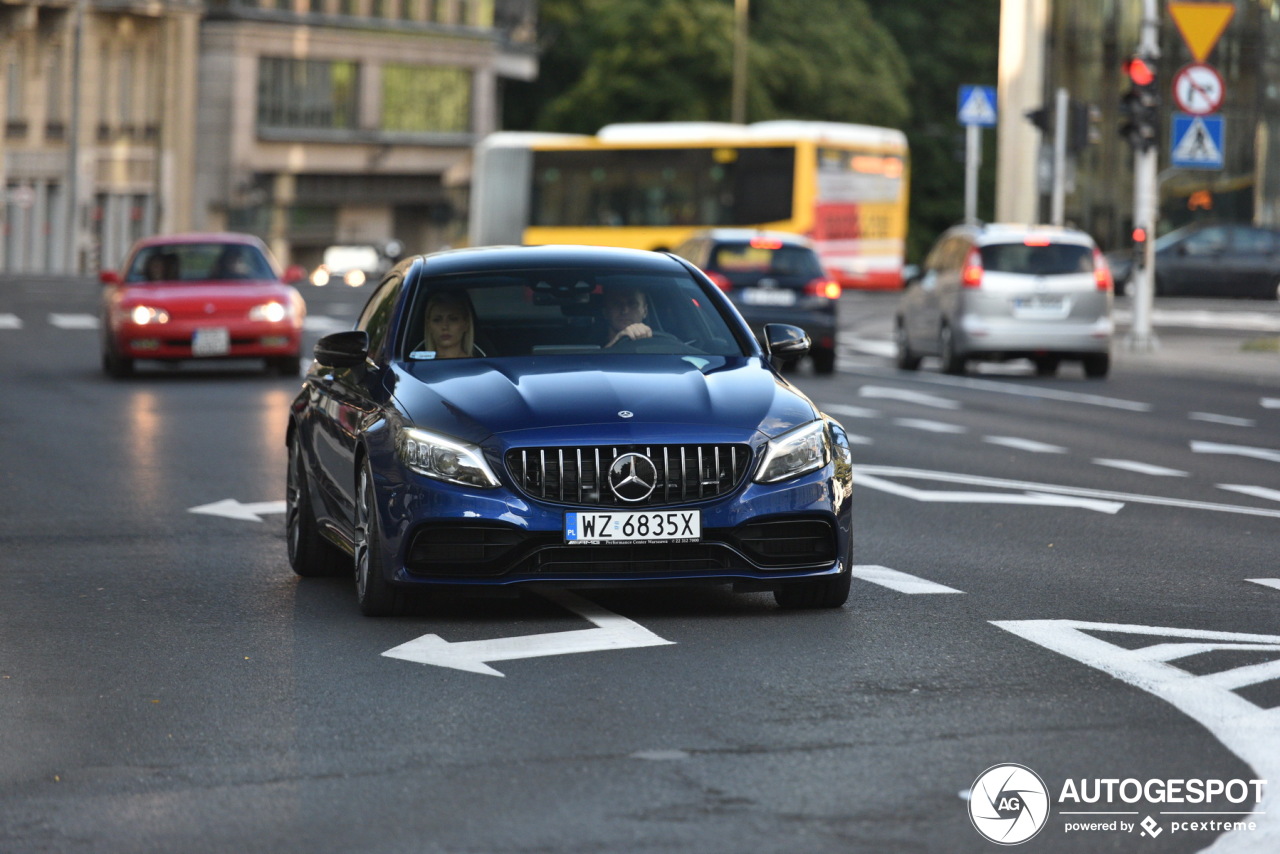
199,262
766,259
550,312
1054,259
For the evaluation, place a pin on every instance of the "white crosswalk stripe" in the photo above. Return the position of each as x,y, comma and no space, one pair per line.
1140,468
74,321
1029,445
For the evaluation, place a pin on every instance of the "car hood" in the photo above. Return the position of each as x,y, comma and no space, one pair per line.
223,293
607,399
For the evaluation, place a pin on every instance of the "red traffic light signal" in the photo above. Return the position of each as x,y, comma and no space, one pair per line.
1140,71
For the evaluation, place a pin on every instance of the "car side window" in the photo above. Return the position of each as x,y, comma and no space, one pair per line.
1254,241
1209,241
376,317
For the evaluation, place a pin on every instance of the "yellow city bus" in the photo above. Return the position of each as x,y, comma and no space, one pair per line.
649,186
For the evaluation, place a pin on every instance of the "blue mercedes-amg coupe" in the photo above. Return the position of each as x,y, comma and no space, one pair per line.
563,415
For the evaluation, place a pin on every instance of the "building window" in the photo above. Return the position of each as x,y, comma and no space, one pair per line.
307,93
426,99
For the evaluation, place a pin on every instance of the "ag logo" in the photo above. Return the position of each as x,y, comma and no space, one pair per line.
1008,804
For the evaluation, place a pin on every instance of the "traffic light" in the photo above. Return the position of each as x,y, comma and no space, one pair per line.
1139,246
1039,118
1140,106
1083,126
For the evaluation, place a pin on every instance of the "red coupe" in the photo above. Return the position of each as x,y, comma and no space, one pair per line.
201,296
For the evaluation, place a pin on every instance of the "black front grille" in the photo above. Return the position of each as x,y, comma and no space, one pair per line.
580,475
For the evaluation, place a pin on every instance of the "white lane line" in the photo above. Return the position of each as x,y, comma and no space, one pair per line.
74,321
855,439
1140,468
1255,491
1241,320
930,426
1269,454
903,394
870,346
1270,402
1020,390
851,411
862,472
1229,420
321,323
1266,582
899,581
10,321
955,496
1024,444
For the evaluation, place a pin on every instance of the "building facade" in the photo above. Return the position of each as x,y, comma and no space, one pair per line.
1082,46
307,122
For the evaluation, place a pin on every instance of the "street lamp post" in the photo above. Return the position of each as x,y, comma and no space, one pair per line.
738,107
1141,336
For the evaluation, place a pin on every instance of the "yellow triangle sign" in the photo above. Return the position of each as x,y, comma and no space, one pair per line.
1201,24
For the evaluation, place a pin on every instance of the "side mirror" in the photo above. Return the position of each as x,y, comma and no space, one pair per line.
784,341
343,349
294,274
108,277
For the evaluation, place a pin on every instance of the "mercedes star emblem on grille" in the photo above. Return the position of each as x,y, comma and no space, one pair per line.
626,413
632,477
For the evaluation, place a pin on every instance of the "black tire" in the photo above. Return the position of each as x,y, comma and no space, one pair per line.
1097,367
824,361
906,360
952,362
115,365
1047,366
829,592
285,366
310,554
376,596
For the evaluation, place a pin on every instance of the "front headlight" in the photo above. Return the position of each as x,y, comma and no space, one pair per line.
444,459
145,315
798,452
272,312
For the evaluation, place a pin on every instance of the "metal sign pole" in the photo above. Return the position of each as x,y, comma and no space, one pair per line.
1057,206
972,161
1141,336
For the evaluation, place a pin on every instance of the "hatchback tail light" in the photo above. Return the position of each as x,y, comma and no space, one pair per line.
1102,271
721,281
823,287
971,273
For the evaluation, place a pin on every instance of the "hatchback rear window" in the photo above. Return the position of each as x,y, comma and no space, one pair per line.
766,260
1056,259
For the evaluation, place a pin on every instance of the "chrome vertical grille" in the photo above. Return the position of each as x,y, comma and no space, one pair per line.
579,475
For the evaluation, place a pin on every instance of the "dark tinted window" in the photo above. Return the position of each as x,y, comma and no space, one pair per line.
659,187
376,317
554,312
765,260
1056,259
198,262
1254,241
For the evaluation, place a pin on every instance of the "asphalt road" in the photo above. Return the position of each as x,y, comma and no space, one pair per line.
1078,577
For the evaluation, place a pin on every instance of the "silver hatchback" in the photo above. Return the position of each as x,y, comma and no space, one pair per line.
1002,292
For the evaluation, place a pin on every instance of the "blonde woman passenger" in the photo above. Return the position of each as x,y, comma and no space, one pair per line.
450,326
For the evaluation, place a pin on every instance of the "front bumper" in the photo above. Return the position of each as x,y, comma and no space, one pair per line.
174,340
437,534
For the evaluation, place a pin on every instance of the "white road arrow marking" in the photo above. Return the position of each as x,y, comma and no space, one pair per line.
861,473
1255,491
611,632
1266,582
1140,468
1250,732
1229,420
1268,454
233,509
947,496
899,581
1030,445
889,393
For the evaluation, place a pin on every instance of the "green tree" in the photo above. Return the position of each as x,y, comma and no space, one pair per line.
950,44
672,60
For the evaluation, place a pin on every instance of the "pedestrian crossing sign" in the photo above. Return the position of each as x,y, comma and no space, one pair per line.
977,106
1197,142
